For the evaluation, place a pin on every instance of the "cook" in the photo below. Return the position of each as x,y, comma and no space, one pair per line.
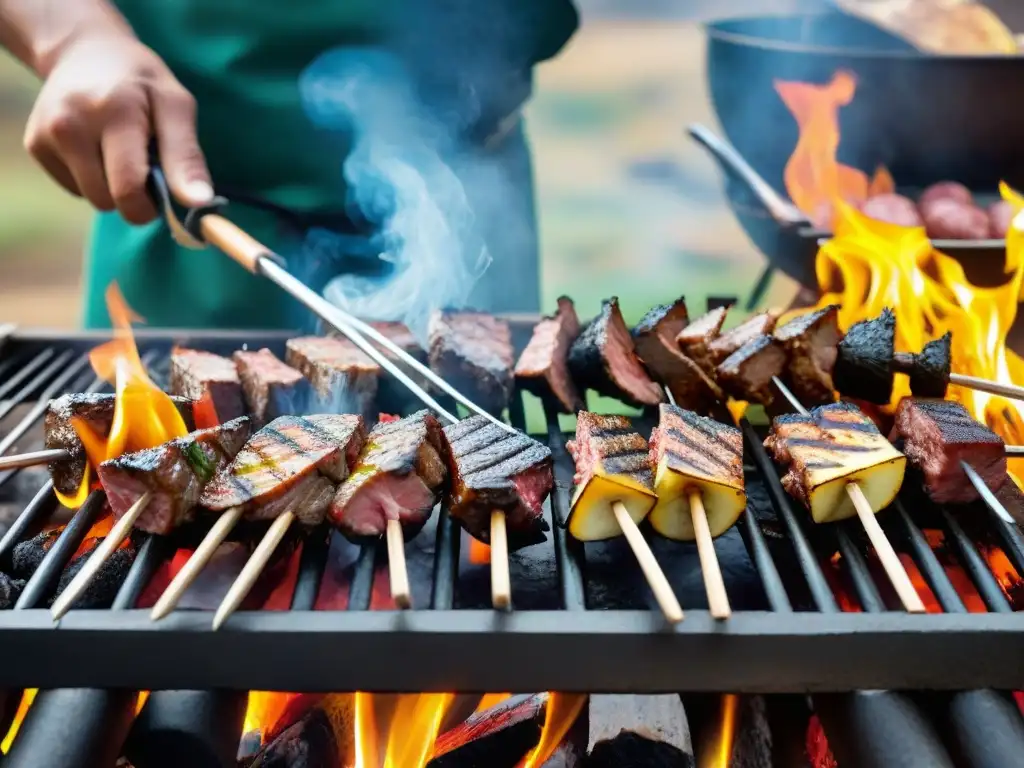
118,73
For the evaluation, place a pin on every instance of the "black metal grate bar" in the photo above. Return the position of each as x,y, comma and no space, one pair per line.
867,593
758,549
61,363
931,569
446,562
975,565
25,372
569,555
152,552
312,564
360,591
38,510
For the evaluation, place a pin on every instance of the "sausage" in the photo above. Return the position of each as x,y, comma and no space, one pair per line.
893,209
953,220
1000,217
945,190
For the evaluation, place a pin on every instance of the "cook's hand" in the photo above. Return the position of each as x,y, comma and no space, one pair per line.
90,129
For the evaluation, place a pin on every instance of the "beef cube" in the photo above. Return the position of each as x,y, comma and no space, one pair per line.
393,393
200,375
695,339
863,367
810,342
666,320
543,368
748,372
494,469
759,325
343,377
604,359
472,351
938,435
271,388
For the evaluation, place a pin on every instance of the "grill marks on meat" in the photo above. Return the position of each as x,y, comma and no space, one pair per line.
472,351
940,434
271,388
343,377
291,465
747,373
604,359
695,339
810,342
543,367
196,374
175,473
730,341
611,465
492,468
399,476
863,367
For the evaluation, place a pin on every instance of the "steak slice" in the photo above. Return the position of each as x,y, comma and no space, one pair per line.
343,377
612,465
863,367
96,413
695,339
543,368
271,388
494,469
472,351
196,375
759,325
175,473
940,434
291,465
748,372
392,390
810,342
604,359
930,369
399,476
666,320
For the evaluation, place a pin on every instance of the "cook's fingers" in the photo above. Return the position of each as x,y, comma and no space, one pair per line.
47,157
77,146
174,119
126,160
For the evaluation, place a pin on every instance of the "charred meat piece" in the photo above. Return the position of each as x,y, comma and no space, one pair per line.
344,378
399,476
829,448
174,473
863,366
612,465
759,325
271,388
665,320
604,359
197,375
472,351
692,452
810,342
494,469
95,413
940,434
291,465
543,368
747,373
695,339
928,370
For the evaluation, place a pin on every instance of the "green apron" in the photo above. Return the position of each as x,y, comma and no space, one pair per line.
241,59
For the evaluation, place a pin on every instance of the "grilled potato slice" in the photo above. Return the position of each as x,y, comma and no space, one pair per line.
591,517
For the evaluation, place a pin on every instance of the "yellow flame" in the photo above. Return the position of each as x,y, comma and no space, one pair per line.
559,715
411,730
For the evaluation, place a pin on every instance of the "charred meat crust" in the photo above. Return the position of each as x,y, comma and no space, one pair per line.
665,320
543,368
196,374
472,351
696,338
343,377
810,342
271,387
928,370
734,339
863,366
748,372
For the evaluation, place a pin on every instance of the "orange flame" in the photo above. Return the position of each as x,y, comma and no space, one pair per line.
411,729
561,712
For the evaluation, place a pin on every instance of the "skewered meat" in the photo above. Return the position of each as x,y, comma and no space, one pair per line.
940,434
399,476
952,220
946,190
94,412
1000,219
472,351
271,388
810,341
759,325
291,465
928,370
893,209
748,372
604,359
196,374
665,320
174,473
494,469
694,452
863,366
400,335
826,450
611,465
344,378
695,339
543,368
391,390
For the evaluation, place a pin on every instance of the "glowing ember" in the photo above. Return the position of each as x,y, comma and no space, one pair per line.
479,553
491,700
561,712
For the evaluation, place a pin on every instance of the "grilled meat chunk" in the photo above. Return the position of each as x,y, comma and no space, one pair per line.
928,370
543,368
271,388
810,342
940,434
343,377
690,452
399,476
94,412
759,325
393,393
472,351
826,450
611,465
665,320
747,373
604,359
174,473
291,465
863,367
196,375
494,469
695,339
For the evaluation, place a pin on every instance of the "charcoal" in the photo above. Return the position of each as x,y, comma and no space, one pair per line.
29,555
308,743
108,580
498,737
632,749
863,368
10,591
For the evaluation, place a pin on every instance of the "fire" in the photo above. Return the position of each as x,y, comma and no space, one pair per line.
561,712
411,727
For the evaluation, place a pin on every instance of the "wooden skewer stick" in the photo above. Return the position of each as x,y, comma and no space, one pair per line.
718,598
118,533
662,590
400,591
253,568
1011,391
204,553
1015,450
501,582
34,459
